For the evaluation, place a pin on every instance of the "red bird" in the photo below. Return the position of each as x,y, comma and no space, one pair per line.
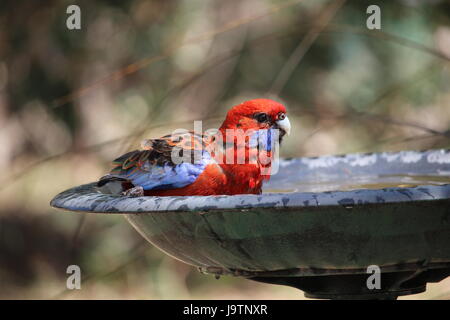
234,160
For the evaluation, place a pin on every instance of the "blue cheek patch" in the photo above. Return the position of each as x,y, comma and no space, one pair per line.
264,139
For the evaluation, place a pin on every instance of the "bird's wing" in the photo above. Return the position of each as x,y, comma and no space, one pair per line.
173,161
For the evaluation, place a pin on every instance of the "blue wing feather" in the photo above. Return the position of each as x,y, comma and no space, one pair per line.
153,169
167,177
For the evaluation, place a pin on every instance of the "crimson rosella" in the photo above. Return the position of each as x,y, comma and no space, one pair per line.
236,159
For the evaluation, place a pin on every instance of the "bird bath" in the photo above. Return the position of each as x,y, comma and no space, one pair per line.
319,225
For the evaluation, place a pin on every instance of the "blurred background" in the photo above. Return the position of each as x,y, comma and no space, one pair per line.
73,100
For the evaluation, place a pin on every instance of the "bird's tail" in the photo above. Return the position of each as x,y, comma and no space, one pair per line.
111,184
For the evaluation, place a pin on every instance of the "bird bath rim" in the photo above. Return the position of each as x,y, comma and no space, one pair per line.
86,198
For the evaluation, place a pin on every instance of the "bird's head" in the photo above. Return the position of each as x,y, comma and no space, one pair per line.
258,114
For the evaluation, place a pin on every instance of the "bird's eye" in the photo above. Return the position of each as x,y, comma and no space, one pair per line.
261,117
281,116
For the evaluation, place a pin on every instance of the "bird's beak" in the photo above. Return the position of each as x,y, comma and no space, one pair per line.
284,125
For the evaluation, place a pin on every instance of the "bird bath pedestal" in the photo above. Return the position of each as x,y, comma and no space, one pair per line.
393,213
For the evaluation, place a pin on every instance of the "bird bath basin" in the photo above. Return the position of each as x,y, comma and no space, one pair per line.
319,225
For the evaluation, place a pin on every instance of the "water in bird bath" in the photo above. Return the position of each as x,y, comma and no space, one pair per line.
324,183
